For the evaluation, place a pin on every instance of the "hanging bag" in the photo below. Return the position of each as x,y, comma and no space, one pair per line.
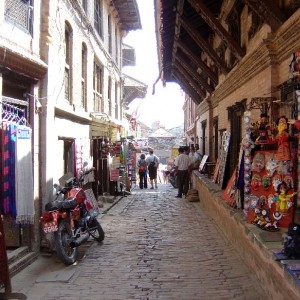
141,169
152,165
142,166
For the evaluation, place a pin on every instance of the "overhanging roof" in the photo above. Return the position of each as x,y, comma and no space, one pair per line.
129,14
183,29
133,89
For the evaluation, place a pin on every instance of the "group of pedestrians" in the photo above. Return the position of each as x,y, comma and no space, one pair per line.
188,159
148,166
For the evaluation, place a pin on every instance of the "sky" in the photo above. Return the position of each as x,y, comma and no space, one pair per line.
167,102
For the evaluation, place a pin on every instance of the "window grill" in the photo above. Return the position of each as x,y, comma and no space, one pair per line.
98,17
97,102
16,106
20,12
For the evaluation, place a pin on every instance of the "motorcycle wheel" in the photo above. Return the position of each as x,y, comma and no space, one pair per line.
62,239
96,230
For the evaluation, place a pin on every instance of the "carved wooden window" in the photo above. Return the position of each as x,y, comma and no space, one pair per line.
203,137
20,13
234,22
221,51
117,102
84,76
234,27
215,144
255,25
235,114
288,105
98,17
109,25
109,97
85,5
117,47
98,88
68,62
68,154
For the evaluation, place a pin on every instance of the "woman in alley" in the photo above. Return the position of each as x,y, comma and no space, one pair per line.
153,163
142,167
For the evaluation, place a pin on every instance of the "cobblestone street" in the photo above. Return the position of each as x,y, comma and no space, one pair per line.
156,247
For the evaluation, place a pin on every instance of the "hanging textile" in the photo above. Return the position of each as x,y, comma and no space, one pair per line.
24,176
1,170
83,160
78,156
9,131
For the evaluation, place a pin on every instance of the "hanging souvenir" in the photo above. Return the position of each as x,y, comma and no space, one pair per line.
255,182
277,215
254,201
258,163
285,167
270,200
282,138
276,181
262,200
257,216
266,182
289,181
271,164
283,200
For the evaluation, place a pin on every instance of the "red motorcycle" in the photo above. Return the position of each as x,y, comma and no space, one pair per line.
72,220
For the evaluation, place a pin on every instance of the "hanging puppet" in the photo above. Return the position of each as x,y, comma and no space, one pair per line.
283,200
282,138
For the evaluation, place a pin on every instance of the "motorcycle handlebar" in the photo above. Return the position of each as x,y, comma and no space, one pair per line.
72,182
88,171
63,191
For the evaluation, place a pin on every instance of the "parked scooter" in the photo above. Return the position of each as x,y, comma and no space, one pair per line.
72,220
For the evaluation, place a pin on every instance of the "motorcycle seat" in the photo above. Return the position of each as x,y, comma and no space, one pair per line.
69,203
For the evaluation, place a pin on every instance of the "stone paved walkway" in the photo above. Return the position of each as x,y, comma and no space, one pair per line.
156,247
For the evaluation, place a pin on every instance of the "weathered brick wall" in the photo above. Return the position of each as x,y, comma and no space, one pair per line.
277,283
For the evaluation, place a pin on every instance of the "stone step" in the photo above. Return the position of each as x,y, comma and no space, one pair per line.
16,254
21,263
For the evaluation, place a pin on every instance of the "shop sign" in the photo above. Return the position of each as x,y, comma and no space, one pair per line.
141,143
114,174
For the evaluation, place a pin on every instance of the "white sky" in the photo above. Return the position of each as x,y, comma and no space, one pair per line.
167,102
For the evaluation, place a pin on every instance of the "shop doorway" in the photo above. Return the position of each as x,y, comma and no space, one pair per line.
236,113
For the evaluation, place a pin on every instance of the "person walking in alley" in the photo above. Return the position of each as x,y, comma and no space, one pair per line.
195,157
182,163
142,167
153,163
195,161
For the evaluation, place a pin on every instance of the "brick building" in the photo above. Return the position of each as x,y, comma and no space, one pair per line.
61,76
21,73
229,57
236,60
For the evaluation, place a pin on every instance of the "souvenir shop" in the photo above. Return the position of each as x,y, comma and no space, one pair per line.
123,166
265,182
114,160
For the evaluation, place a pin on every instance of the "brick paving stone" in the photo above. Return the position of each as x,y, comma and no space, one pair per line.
156,247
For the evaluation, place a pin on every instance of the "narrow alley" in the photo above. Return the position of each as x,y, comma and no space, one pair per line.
156,247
